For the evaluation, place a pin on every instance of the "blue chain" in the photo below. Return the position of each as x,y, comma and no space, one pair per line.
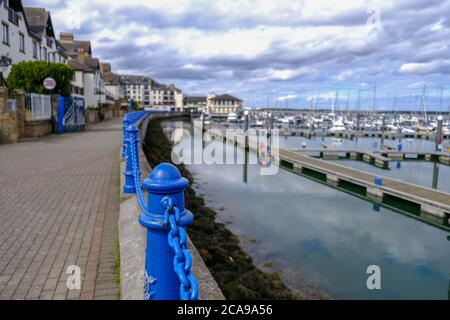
182,260
133,141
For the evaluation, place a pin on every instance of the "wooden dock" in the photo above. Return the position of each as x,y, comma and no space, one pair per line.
379,158
424,203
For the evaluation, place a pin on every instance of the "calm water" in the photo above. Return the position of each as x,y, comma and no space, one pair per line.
311,231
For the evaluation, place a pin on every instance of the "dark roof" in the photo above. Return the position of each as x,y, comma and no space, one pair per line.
112,78
161,86
92,63
72,47
38,20
78,66
61,49
225,97
194,99
139,80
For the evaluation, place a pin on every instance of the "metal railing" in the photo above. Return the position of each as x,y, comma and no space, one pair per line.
168,261
40,106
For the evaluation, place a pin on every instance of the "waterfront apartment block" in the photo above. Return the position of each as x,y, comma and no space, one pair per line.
148,92
137,88
163,95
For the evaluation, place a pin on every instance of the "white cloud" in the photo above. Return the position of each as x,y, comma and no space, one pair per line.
287,97
436,66
255,46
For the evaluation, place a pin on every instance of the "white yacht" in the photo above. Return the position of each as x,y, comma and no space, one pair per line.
232,118
338,126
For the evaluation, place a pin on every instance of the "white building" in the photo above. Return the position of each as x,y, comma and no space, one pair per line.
40,25
114,85
163,95
27,35
222,105
81,61
137,88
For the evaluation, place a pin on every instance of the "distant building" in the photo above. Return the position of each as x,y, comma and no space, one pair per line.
114,85
72,46
196,103
221,105
163,95
137,88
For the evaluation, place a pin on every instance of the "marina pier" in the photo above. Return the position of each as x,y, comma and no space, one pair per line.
426,204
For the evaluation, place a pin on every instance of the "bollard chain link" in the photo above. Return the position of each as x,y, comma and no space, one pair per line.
182,260
133,141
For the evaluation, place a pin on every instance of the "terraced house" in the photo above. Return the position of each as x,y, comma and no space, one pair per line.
88,77
27,35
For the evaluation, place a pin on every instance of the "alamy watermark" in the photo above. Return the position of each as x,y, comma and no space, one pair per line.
72,15
374,280
373,22
73,281
215,148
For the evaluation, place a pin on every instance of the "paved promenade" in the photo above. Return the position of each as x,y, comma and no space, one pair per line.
59,207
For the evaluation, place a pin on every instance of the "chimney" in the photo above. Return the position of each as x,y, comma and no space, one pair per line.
81,55
66,37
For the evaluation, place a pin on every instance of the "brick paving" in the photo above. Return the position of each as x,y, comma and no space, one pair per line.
59,206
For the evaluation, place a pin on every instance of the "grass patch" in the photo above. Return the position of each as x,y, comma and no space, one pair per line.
117,268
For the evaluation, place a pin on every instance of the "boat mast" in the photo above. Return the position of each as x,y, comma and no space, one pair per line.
347,106
358,104
374,101
423,104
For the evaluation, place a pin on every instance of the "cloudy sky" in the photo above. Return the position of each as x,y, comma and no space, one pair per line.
280,53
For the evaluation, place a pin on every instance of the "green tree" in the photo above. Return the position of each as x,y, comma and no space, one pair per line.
135,106
29,76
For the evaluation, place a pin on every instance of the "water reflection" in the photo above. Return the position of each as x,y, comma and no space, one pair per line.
326,236
435,176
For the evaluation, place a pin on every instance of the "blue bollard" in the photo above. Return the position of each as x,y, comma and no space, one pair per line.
399,147
131,141
126,123
378,181
162,283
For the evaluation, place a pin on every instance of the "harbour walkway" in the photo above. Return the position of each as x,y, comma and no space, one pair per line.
59,204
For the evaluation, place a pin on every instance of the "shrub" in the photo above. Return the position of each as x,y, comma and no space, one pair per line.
29,76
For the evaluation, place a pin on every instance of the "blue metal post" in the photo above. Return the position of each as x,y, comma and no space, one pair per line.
162,283
130,106
130,140
378,181
126,123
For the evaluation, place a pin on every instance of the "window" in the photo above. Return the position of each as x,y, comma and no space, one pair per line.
13,16
35,50
5,31
22,42
49,43
45,54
